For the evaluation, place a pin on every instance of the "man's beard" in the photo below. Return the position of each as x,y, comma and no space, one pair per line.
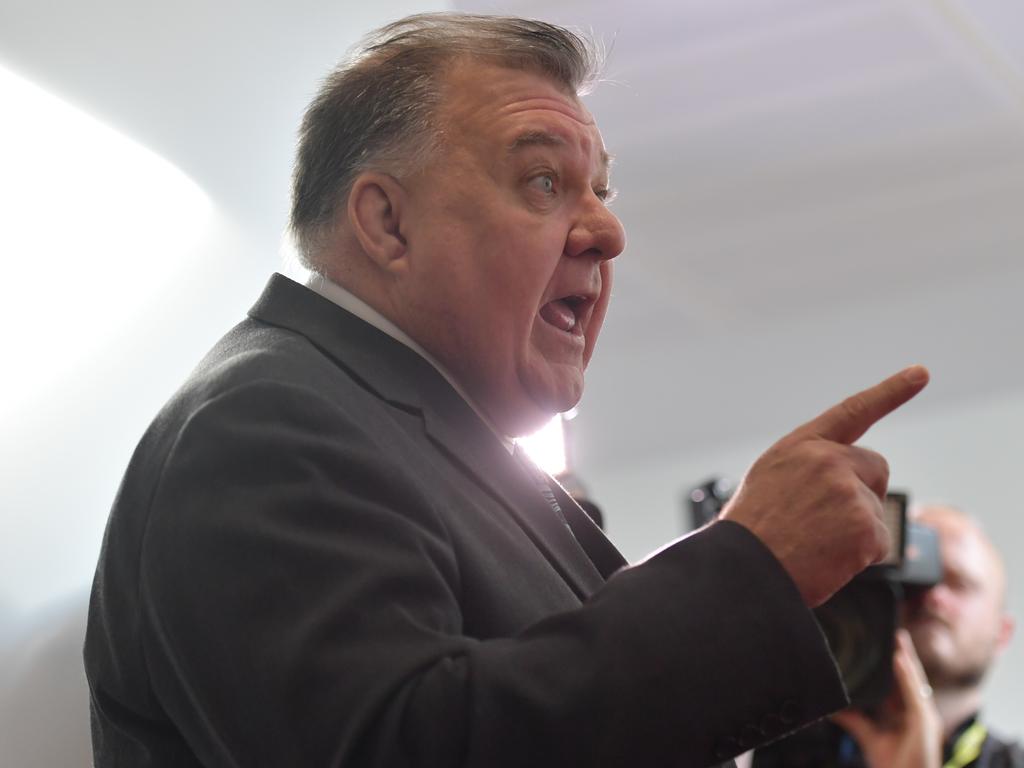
945,677
956,673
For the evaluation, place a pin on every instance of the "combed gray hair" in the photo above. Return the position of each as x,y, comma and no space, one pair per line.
376,110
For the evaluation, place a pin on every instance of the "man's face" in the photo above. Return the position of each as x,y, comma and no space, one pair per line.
509,241
959,626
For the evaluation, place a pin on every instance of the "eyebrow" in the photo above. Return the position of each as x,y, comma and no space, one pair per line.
546,139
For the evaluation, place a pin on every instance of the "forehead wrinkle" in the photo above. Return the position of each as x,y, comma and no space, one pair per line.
542,138
535,138
573,110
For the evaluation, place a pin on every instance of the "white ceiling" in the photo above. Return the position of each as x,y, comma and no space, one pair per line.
815,193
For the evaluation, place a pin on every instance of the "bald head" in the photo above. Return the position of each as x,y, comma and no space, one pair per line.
960,625
959,530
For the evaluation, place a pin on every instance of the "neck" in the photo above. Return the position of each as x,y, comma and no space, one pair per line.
955,706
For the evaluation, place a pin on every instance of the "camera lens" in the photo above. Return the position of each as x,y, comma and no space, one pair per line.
859,623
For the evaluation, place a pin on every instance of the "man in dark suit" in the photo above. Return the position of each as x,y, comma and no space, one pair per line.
325,550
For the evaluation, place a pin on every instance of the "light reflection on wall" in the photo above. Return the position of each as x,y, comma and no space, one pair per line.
93,224
95,230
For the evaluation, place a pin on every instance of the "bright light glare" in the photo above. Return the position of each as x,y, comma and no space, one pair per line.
94,225
546,446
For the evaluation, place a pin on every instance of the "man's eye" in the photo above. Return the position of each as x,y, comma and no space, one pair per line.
545,183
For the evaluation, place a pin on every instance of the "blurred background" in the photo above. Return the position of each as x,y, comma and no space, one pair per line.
815,194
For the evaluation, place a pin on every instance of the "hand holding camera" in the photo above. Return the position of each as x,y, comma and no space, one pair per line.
906,731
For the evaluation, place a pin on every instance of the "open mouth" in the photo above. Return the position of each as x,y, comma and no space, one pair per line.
565,313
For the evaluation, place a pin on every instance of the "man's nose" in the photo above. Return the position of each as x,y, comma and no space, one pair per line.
935,599
597,232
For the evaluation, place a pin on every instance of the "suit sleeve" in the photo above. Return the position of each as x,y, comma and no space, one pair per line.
300,601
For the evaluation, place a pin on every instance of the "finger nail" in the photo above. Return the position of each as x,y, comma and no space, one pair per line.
916,374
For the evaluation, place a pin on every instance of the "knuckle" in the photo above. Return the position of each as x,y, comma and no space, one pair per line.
876,541
822,455
876,466
883,469
867,548
840,470
883,463
847,487
875,458
855,407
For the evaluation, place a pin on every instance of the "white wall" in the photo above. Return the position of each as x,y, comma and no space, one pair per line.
969,455
107,305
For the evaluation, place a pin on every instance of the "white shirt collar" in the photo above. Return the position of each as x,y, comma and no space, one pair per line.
348,301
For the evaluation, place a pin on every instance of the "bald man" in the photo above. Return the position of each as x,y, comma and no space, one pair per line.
953,633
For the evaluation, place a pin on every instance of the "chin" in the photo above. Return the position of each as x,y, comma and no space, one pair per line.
525,421
554,390
560,402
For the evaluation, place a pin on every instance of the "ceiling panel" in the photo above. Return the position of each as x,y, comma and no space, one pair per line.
803,184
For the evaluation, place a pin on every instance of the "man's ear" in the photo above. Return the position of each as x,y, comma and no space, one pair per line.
375,204
1006,628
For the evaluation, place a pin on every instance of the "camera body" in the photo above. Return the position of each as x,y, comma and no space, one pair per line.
860,621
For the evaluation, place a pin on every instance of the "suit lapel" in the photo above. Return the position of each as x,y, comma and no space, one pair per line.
469,442
403,378
606,558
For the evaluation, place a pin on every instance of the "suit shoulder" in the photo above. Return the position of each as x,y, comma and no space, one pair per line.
253,351
252,372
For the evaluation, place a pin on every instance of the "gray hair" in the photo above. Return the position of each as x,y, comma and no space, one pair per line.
376,110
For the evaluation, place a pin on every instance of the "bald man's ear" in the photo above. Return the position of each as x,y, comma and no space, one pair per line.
375,212
1006,628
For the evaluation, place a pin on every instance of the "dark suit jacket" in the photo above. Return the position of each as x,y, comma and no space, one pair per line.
320,556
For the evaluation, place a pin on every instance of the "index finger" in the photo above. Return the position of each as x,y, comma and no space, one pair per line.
847,421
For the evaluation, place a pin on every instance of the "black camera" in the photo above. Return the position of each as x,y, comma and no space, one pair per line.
860,620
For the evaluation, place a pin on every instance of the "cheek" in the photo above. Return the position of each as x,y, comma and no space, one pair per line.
982,617
523,272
